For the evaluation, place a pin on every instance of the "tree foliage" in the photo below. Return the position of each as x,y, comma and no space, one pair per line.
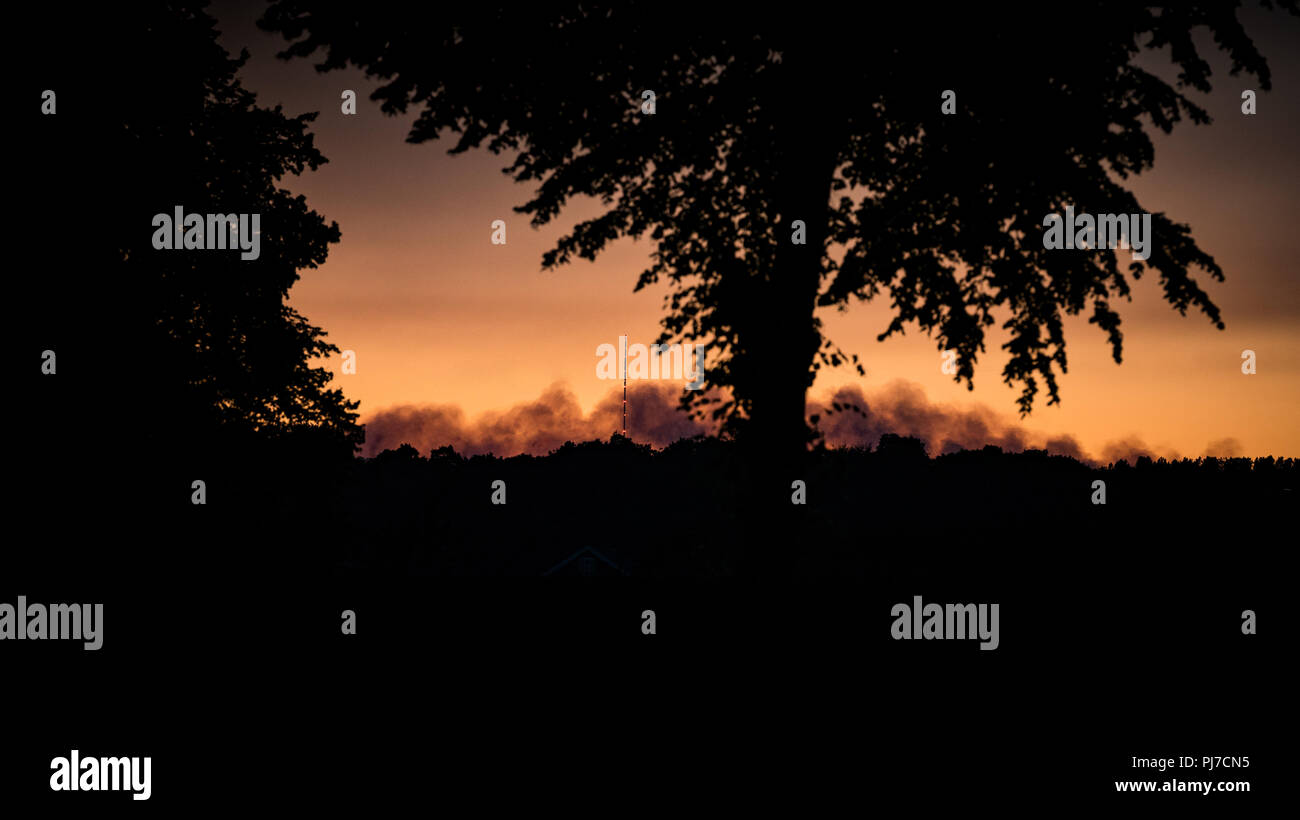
813,114
202,341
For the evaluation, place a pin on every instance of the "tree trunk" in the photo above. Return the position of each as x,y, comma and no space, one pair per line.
782,337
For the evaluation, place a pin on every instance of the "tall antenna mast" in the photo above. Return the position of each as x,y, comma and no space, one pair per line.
626,339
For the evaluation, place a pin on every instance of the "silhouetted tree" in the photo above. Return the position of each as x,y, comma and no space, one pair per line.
770,116
173,366
200,344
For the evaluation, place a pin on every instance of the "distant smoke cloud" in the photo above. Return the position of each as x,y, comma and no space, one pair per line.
1130,449
900,407
1224,448
535,427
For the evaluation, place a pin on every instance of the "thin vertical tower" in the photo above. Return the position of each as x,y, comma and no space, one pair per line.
626,339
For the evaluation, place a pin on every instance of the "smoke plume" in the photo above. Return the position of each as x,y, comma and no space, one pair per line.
536,427
544,424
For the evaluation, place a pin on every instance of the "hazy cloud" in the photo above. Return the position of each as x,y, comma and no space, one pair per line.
1224,448
536,427
1131,448
902,408
544,424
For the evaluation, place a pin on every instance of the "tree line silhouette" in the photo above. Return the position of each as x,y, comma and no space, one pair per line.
887,511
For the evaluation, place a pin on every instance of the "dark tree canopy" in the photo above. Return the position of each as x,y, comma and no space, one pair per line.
201,341
247,356
807,113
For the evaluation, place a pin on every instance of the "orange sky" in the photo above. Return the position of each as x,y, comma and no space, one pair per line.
437,314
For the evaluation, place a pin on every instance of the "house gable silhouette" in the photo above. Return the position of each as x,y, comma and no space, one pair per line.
586,562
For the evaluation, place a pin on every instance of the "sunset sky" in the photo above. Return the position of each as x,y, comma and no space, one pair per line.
437,315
